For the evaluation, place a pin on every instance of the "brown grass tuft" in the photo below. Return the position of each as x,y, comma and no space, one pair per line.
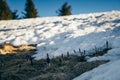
8,48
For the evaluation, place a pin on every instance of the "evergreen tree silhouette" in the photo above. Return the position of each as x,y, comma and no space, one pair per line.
14,14
65,10
5,12
30,10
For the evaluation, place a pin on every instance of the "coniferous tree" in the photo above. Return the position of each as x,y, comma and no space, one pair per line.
5,12
30,11
14,14
65,10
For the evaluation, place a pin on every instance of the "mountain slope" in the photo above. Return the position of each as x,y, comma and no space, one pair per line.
58,35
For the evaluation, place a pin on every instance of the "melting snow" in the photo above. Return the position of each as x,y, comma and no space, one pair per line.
57,35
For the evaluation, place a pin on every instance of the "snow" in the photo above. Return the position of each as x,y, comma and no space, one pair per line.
113,54
109,71
58,35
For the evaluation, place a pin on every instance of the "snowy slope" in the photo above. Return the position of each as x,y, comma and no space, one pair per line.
57,35
109,71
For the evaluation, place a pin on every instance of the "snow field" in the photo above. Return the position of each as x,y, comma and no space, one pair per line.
57,35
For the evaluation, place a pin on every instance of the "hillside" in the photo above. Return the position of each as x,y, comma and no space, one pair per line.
59,35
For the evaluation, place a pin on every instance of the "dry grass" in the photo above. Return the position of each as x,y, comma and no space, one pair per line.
67,70
8,48
16,66
26,47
